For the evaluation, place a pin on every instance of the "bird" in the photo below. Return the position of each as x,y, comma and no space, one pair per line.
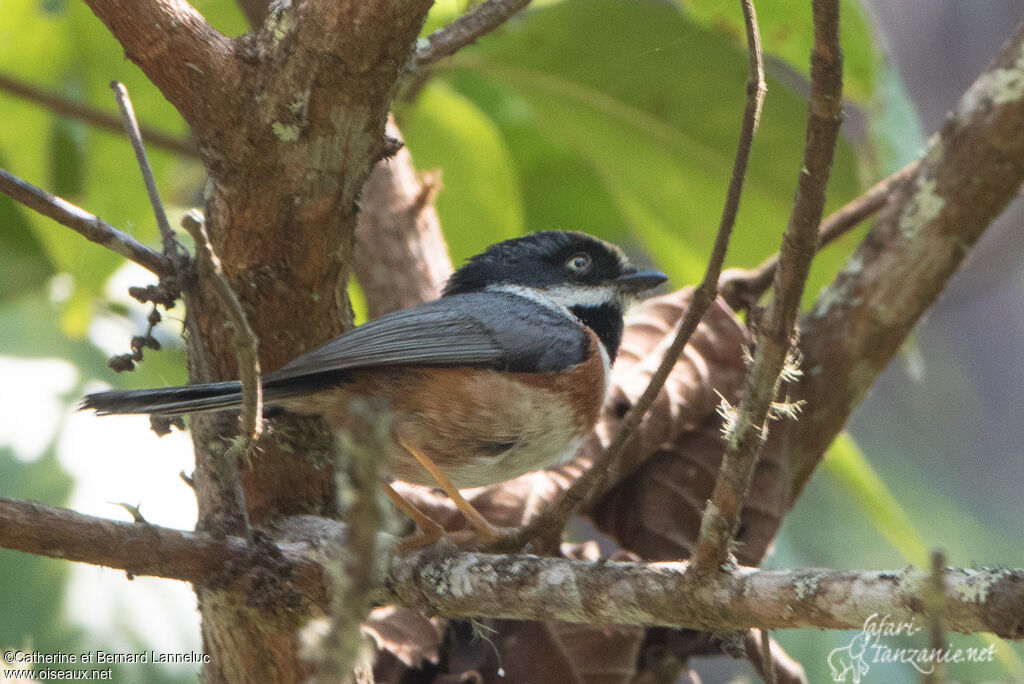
505,373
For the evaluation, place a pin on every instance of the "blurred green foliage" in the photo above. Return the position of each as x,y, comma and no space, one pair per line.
615,117
620,119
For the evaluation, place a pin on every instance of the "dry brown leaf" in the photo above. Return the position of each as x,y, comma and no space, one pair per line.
787,670
656,511
516,652
408,635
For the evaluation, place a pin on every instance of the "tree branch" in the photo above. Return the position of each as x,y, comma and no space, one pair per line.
246,343
233,514
466,30
88,225
450,583
185,57
544,588
748,431
172,248
65,106
742,288
973,168
401,256
554,518
137,548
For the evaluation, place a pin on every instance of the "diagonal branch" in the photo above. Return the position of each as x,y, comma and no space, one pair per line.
746,435
180,52
465,30
65,106
554,518
232,513
90,226
742,288
172,248
972,170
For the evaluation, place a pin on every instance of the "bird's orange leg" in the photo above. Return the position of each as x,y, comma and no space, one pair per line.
486,532
429,530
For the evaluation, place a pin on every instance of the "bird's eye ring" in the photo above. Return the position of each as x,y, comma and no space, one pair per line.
579,263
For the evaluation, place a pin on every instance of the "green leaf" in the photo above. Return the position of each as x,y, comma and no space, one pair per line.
895,126
66,49
622,118
845,462
787,33
479,202
67,158
24,261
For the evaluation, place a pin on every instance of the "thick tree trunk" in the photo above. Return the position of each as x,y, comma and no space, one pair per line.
289,121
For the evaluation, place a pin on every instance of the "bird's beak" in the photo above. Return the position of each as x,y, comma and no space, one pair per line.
639,281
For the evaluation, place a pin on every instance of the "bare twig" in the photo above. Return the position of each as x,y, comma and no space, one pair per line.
767,662
365,446
771,660
465,30
172,248
65,106
775,343
553,519
250,420
33,527
88,225
233,516
935,609
742,288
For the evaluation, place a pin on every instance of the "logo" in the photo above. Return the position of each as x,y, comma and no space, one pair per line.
852,662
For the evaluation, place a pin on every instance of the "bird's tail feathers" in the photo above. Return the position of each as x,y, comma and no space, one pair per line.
168,401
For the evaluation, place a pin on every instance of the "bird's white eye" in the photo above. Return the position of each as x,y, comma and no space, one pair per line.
580,263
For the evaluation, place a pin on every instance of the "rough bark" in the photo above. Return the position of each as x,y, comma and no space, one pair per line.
973,168
289,122
452,583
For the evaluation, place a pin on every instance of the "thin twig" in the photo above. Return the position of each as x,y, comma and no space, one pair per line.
767,662
88,225
553,519
222,472
65,106
172,248
935,606
364,447
775,343
250,419
481,20
742,288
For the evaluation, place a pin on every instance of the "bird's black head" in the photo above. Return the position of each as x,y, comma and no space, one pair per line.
588,276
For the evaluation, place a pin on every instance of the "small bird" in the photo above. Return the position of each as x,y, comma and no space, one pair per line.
504,374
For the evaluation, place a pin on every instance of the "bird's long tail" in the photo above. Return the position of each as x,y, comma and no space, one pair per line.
211,396
167,401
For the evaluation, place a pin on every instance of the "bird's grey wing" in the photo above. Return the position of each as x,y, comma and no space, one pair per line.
480,329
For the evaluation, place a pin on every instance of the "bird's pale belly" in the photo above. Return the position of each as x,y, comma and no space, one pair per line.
485,427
